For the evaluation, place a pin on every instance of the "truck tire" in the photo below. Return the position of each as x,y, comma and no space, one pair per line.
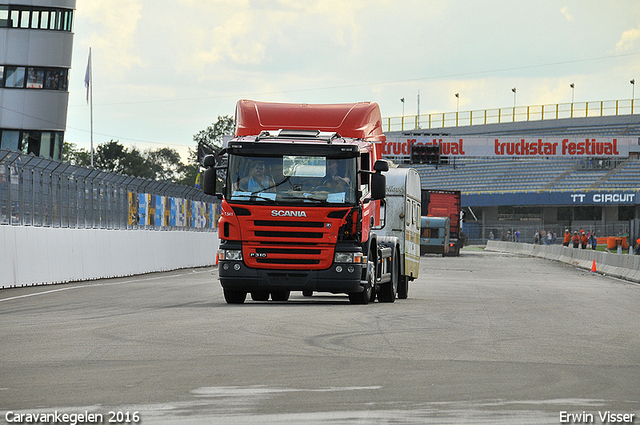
365,296
403,288
387,291
234,297
260,296
280,295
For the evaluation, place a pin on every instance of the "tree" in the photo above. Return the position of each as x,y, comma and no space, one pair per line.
74,155
211,138
111,156
208,141
165,164
159,164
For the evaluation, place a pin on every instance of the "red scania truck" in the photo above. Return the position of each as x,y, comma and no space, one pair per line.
303,205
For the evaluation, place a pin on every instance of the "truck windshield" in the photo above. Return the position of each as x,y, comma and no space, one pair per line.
291,179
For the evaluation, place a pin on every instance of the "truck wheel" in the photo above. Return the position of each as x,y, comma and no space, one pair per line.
365,296
260,296
387,291
234,297
403,288
280,295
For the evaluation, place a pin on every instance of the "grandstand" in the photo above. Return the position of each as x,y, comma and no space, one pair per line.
471,175
502,194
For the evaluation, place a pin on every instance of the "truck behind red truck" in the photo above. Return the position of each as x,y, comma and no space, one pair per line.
445,203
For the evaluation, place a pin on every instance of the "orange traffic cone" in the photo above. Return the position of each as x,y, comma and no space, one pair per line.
217,258
593,266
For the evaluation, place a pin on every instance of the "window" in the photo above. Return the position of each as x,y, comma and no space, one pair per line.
35,78
57,145
30,142
10,140
15,18
4,16
25,19
44,20
52,79
47,144
364,177
15,77
31,17
46,140
35,16
430,232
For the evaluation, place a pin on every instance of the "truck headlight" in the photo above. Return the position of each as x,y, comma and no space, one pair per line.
347,257
230,254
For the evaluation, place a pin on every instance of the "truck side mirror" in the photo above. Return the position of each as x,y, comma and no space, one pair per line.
378,185
381,165
209,161
210,176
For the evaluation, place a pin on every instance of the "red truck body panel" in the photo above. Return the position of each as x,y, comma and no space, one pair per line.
355,120
445,204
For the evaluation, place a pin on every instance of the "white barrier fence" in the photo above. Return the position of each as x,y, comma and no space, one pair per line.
623,266
43,255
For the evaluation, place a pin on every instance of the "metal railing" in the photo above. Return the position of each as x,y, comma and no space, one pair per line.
478,233
510,115
36,191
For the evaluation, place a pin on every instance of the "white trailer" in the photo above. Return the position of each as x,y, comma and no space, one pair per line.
401,231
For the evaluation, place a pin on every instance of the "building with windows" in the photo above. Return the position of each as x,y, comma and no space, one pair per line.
36,42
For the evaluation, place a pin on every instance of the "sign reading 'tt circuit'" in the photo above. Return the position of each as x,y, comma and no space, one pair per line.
603,198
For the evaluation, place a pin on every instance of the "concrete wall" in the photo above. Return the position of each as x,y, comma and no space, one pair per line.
619,265
43,255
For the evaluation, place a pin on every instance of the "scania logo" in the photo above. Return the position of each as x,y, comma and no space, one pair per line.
283,213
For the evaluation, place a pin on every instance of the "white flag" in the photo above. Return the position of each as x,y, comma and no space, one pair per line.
87,75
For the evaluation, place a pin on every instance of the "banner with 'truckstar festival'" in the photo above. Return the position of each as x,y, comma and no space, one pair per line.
399,148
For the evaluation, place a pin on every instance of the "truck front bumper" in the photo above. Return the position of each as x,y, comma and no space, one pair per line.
339,278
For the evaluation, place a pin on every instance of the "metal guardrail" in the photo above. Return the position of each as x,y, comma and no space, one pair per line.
510,115
37,191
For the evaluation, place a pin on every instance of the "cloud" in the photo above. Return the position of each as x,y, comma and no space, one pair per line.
253,34
567,15
113,30
627,40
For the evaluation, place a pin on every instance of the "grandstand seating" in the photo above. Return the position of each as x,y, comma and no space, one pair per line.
508,175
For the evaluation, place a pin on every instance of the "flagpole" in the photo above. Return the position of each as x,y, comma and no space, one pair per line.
91,101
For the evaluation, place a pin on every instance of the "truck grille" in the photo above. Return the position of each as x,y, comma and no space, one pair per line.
301,245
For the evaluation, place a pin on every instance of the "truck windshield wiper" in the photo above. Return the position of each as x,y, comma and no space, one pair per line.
305,199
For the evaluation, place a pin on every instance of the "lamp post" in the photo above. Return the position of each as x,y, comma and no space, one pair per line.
514,103
457,95
402,100
573,89
633,93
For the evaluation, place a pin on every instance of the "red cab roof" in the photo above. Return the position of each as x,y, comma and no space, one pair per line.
356,120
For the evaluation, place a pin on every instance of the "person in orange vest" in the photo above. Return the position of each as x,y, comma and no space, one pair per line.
576,239
584,240
567,238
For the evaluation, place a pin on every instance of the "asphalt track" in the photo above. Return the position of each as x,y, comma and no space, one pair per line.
485,338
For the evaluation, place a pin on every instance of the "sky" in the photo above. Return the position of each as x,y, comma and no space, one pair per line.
165,69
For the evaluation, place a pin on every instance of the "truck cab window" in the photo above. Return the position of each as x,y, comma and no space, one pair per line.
288,179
